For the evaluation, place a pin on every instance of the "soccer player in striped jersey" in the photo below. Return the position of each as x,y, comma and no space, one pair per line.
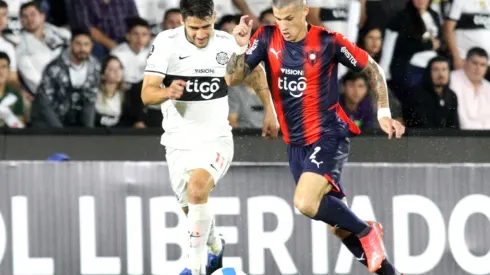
301,65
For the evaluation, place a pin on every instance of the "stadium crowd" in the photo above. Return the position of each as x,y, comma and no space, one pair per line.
81,64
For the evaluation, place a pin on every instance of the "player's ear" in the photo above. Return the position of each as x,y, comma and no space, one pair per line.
306,10
214,16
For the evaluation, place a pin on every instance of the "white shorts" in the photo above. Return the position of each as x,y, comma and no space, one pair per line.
214,157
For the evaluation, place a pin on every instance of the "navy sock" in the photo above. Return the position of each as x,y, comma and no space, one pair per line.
336,213
354,245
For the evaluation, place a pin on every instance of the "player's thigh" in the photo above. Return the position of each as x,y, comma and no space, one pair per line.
211,162
296,156
178,168
327,158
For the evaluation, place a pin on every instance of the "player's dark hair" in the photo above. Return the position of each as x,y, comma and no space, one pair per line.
284,3
170,11
34,4
5,56
353,76
77,32
228,19
264,13
196,8
476,51
134,22
3,5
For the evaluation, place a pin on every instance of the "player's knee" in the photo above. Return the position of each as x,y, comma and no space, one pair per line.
197,191
306,206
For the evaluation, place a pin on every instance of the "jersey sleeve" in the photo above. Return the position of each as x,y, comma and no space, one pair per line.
348,54
157,61
257,49
453,10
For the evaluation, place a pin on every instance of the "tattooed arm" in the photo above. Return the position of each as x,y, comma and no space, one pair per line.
377,82
236,70
258,81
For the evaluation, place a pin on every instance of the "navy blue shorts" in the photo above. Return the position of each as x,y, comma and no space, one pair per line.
325,157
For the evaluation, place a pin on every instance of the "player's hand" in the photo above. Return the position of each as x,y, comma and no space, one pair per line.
391,126
242,31
176,89
270,126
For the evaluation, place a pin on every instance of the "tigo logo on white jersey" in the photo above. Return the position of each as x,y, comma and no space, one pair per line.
207,89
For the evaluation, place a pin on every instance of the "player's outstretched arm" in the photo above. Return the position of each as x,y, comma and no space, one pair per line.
152,93
258,81
377,82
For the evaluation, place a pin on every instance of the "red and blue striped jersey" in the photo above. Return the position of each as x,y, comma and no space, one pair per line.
303,80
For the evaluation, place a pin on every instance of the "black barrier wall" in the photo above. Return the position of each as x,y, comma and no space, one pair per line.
418,146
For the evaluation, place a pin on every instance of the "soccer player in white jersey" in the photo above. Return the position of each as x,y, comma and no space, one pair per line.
191,62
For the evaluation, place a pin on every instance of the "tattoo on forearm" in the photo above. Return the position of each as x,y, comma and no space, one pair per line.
256,82
377,83
237,67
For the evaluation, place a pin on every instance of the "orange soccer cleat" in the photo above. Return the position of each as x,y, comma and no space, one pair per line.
373,247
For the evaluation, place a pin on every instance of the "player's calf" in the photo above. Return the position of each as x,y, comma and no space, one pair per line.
199,217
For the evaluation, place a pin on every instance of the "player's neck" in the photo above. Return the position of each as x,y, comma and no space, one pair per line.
302,34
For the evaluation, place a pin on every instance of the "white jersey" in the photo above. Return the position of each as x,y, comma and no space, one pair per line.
473,24
201,114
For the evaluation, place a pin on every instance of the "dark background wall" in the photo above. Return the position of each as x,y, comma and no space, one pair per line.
144,145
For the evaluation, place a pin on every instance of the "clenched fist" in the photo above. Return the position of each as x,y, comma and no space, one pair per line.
176,89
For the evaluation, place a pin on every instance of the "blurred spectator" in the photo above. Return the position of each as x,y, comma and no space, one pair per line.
473,91
152,10
340,16
432,104
172,19
252,8
7,47
371,40
106,21
355,100
69,87
228,23
109,104
246,109
411,40
133,54
267,18
11,105
40,43
467,25
224,7
14,26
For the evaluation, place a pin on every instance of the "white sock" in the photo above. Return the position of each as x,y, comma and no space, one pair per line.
199,218
214,240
